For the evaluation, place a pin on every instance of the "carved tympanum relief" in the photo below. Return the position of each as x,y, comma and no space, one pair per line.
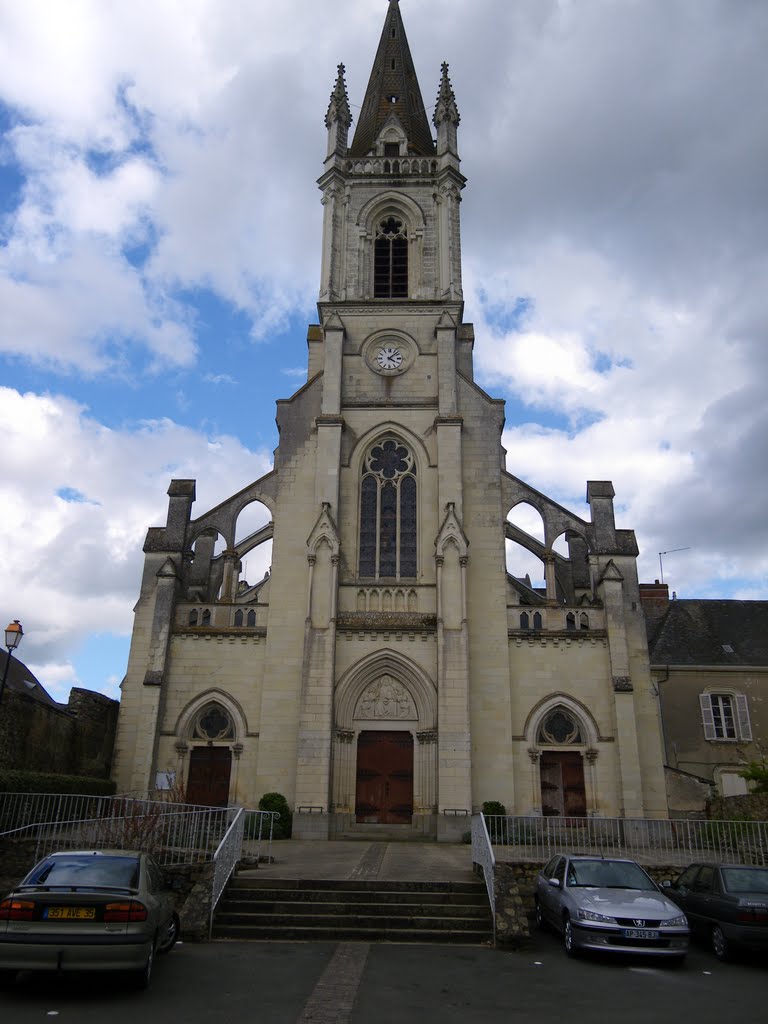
386,699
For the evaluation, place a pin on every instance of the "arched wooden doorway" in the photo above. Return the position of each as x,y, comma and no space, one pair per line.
384,790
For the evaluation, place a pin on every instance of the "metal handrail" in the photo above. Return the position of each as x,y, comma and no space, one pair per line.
225,859
483,856
667,841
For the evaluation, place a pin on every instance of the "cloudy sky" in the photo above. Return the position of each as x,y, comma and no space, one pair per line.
159,262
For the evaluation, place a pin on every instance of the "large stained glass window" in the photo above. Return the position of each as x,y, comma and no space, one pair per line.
388,512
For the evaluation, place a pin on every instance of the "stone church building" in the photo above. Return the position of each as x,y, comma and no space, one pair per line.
389,671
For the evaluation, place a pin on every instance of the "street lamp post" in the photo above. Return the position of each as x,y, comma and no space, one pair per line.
13,635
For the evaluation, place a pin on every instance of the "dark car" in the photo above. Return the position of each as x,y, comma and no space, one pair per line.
91,910
726,905
609,904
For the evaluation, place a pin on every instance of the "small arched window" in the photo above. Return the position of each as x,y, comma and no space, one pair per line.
390,260
251,618
583,621
524,621
239,617
570,621
388,512
537,620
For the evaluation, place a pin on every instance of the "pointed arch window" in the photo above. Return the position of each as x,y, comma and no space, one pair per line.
388,512
390,260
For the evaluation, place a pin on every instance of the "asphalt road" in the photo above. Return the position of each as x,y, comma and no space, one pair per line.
353,983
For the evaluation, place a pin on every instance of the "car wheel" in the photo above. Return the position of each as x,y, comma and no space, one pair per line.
720,943
142,978
568,938
168,941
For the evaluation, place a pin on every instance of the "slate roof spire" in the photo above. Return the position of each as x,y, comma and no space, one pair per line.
393,89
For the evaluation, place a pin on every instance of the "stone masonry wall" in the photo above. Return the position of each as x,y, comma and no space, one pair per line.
76,739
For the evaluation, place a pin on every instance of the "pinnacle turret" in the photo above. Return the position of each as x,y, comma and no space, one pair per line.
338,108
446,118
445,107
339,117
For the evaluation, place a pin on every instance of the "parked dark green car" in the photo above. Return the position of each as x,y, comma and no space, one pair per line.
726,905
90,910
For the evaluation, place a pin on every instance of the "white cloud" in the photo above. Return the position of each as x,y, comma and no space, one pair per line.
74,566
616,158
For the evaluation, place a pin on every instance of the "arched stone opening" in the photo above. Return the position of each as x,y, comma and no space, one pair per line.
385,745
562,737
208,743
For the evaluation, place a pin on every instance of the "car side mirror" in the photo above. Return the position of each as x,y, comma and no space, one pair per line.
555,883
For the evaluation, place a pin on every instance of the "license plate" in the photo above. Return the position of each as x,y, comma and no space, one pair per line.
70,913
639,933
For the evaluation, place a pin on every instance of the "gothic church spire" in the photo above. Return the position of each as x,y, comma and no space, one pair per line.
393,89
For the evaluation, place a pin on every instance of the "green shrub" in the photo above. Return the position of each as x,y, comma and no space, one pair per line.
493,807
283,824
15,781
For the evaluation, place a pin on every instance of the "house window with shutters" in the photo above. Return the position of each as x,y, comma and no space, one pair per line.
725,716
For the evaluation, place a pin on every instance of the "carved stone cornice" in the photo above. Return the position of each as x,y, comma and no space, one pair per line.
386,621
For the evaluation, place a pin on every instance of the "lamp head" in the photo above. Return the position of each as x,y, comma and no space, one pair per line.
13,635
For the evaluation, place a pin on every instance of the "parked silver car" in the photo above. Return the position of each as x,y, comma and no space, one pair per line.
90,910
608,904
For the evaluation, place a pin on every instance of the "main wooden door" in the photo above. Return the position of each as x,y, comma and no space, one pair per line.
384,792
562,784
209,772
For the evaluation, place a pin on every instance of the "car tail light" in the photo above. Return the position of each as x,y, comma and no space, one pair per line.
130,910
16,910
752,915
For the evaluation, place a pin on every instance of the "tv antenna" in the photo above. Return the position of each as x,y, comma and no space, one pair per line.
670,552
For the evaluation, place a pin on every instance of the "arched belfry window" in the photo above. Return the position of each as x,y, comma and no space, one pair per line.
390,260
388,511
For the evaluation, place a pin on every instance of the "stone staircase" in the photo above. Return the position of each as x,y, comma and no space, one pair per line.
354,910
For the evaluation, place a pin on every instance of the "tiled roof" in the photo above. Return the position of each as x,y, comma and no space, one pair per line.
393,89
21,680
717,633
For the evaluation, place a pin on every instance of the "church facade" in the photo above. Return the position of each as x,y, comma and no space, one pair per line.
389,672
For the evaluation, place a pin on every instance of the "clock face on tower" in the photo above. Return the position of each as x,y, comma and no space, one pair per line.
389,357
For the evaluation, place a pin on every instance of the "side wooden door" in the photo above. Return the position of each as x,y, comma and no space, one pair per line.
209,773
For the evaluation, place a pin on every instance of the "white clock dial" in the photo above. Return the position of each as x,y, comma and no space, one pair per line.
389,357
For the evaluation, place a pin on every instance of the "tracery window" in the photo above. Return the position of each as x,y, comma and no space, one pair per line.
559,727
213,723
388,511
390,260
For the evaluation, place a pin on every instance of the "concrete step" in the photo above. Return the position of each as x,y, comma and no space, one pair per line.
354,910
275,902
294,933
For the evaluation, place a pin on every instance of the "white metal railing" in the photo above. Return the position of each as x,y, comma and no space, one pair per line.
228,853
483,856
173,833
649,840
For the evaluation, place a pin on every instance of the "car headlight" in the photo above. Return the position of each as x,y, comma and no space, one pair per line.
677,922
589,915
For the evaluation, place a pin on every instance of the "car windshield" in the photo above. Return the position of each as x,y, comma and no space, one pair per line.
745,879
608,874
87,870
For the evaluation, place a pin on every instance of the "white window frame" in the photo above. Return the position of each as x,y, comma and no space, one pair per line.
739,709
